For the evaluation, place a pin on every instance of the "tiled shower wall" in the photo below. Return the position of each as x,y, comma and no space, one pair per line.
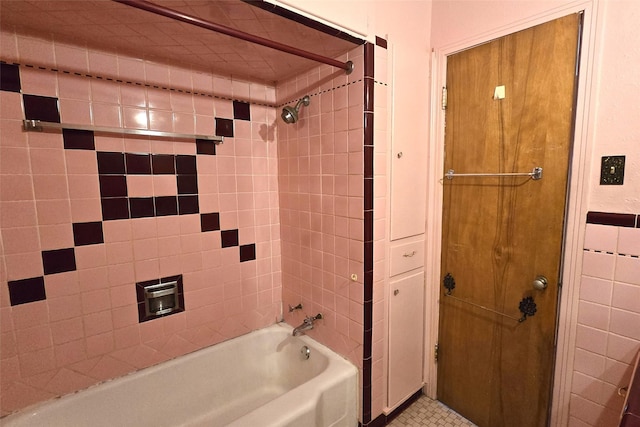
321,204
608,334
85,217
327,168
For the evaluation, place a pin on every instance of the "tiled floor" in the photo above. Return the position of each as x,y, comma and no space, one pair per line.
430,413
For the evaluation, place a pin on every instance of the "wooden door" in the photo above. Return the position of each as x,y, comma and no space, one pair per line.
500,233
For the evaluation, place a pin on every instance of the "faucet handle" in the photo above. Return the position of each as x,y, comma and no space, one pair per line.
316,317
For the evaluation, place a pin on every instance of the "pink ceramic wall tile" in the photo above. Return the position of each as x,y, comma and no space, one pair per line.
95,301
596,290
92,279
157,73
18,188
106,92
47,161
629,241
23,265
159,99
145,249
97,323
29,315
73,87
601,237
117,231
100,344
62,284
625,323
80,162
83,186
75,111
141,186
14,160
38,82
617,373
20,240
86,210
137,145
148,269
34,339
626,297
125,315
594,315
591,339
122,296
10,108
17,214
589,363
181,102
144,228
627,270
135,118
587,387
90,256
167,226
161,120
67,330
52,212
121,274
130,68
135,96
36,362
598,265
103,64
55,236
66,307
622,348
107,115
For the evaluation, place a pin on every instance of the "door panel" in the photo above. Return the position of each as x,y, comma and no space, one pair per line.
500,233
406,333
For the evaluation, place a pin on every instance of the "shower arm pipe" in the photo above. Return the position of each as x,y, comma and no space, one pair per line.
193,20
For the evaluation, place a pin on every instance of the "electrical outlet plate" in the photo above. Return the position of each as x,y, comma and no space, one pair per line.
612,170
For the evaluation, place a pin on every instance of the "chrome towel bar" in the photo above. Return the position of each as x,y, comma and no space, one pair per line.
39,126
535,174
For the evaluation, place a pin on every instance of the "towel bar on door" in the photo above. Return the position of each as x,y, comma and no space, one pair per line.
535,174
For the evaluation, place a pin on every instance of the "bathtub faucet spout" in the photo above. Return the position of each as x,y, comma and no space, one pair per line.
306,325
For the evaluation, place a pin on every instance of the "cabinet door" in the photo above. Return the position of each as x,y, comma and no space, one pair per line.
406,334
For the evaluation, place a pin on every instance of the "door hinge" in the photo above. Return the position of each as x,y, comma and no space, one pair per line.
435,353
444,98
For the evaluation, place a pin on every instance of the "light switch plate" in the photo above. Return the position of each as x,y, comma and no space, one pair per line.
612,170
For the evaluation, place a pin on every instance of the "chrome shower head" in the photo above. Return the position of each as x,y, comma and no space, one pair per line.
290,114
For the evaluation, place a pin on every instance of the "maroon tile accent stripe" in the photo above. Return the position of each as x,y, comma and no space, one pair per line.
615,219
369,56
381,42
368,94
367,360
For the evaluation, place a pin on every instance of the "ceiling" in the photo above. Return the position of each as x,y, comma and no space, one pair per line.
118,28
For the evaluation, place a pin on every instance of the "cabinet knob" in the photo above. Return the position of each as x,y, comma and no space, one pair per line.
409,254
400,155
396,292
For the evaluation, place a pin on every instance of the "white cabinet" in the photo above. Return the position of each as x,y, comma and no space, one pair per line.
408,190
406,334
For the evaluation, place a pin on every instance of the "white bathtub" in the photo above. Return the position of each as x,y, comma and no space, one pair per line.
257,380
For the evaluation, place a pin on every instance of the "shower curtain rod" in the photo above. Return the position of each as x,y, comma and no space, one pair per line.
193,20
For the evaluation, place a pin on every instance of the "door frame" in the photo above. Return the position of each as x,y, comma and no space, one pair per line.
576,210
